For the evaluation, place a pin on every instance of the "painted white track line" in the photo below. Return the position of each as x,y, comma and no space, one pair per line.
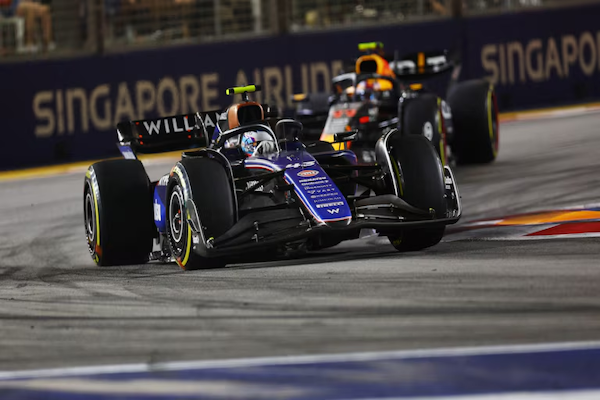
558,395
302,359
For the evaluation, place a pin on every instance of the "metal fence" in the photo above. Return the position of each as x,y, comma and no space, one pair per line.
475,7
320,14
58,27
48,28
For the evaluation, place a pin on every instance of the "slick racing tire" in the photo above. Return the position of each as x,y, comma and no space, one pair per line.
205,181
475,119
117,206
422,186
422,115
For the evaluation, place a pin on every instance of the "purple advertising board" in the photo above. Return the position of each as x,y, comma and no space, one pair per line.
537,59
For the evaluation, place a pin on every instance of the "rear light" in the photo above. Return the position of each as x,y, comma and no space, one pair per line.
364,120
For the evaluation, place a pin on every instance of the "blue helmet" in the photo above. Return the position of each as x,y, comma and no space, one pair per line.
254,142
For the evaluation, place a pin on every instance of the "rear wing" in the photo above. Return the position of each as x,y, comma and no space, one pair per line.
422,65
178,132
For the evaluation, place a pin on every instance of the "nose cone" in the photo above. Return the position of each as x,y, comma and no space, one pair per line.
338,224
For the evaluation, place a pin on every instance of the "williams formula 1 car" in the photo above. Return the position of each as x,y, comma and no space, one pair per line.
378,93
251,184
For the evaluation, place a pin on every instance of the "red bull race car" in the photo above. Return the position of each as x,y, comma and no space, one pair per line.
251,185
378,93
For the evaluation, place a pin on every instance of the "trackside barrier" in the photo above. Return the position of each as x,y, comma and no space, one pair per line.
65,110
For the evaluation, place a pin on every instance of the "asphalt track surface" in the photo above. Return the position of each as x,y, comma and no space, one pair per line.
58,310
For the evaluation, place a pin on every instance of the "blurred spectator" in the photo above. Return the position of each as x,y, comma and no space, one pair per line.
320,13
36,12
8,10
184,8
438,6
235,16
152,20
158,20
200,19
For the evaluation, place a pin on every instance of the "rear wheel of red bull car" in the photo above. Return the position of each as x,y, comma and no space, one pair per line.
475,119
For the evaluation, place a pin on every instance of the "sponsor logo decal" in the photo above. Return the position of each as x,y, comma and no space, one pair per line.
337,203
168,125
157,213
307,182
334,211
249,184
301,165
428,130
446,112
308,173
164,181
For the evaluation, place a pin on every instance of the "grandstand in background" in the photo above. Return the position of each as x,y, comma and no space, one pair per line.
39,29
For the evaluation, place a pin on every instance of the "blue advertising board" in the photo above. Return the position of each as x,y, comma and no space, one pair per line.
66,110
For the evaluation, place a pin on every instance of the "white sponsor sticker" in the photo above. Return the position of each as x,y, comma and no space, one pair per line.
249,184
428,130
157,211
337,203
446,112
164,181
307,181
301,165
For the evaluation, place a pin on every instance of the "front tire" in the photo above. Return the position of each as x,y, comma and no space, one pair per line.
422,186
206,183
118,215
475,119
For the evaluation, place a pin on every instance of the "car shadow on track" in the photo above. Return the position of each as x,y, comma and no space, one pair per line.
358,250
355,250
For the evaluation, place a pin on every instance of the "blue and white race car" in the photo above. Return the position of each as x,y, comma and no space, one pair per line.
250,184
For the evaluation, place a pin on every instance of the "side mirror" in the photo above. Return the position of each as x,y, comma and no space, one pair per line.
345,136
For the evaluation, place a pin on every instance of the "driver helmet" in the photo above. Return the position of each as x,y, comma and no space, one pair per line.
372,88
257,142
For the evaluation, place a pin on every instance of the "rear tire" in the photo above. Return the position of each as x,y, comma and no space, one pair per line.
118,210
211,192
422,116
422,186
475,120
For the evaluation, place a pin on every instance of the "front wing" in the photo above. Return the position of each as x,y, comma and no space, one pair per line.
274,227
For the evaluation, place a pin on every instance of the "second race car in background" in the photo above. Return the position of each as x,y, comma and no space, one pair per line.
378,93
